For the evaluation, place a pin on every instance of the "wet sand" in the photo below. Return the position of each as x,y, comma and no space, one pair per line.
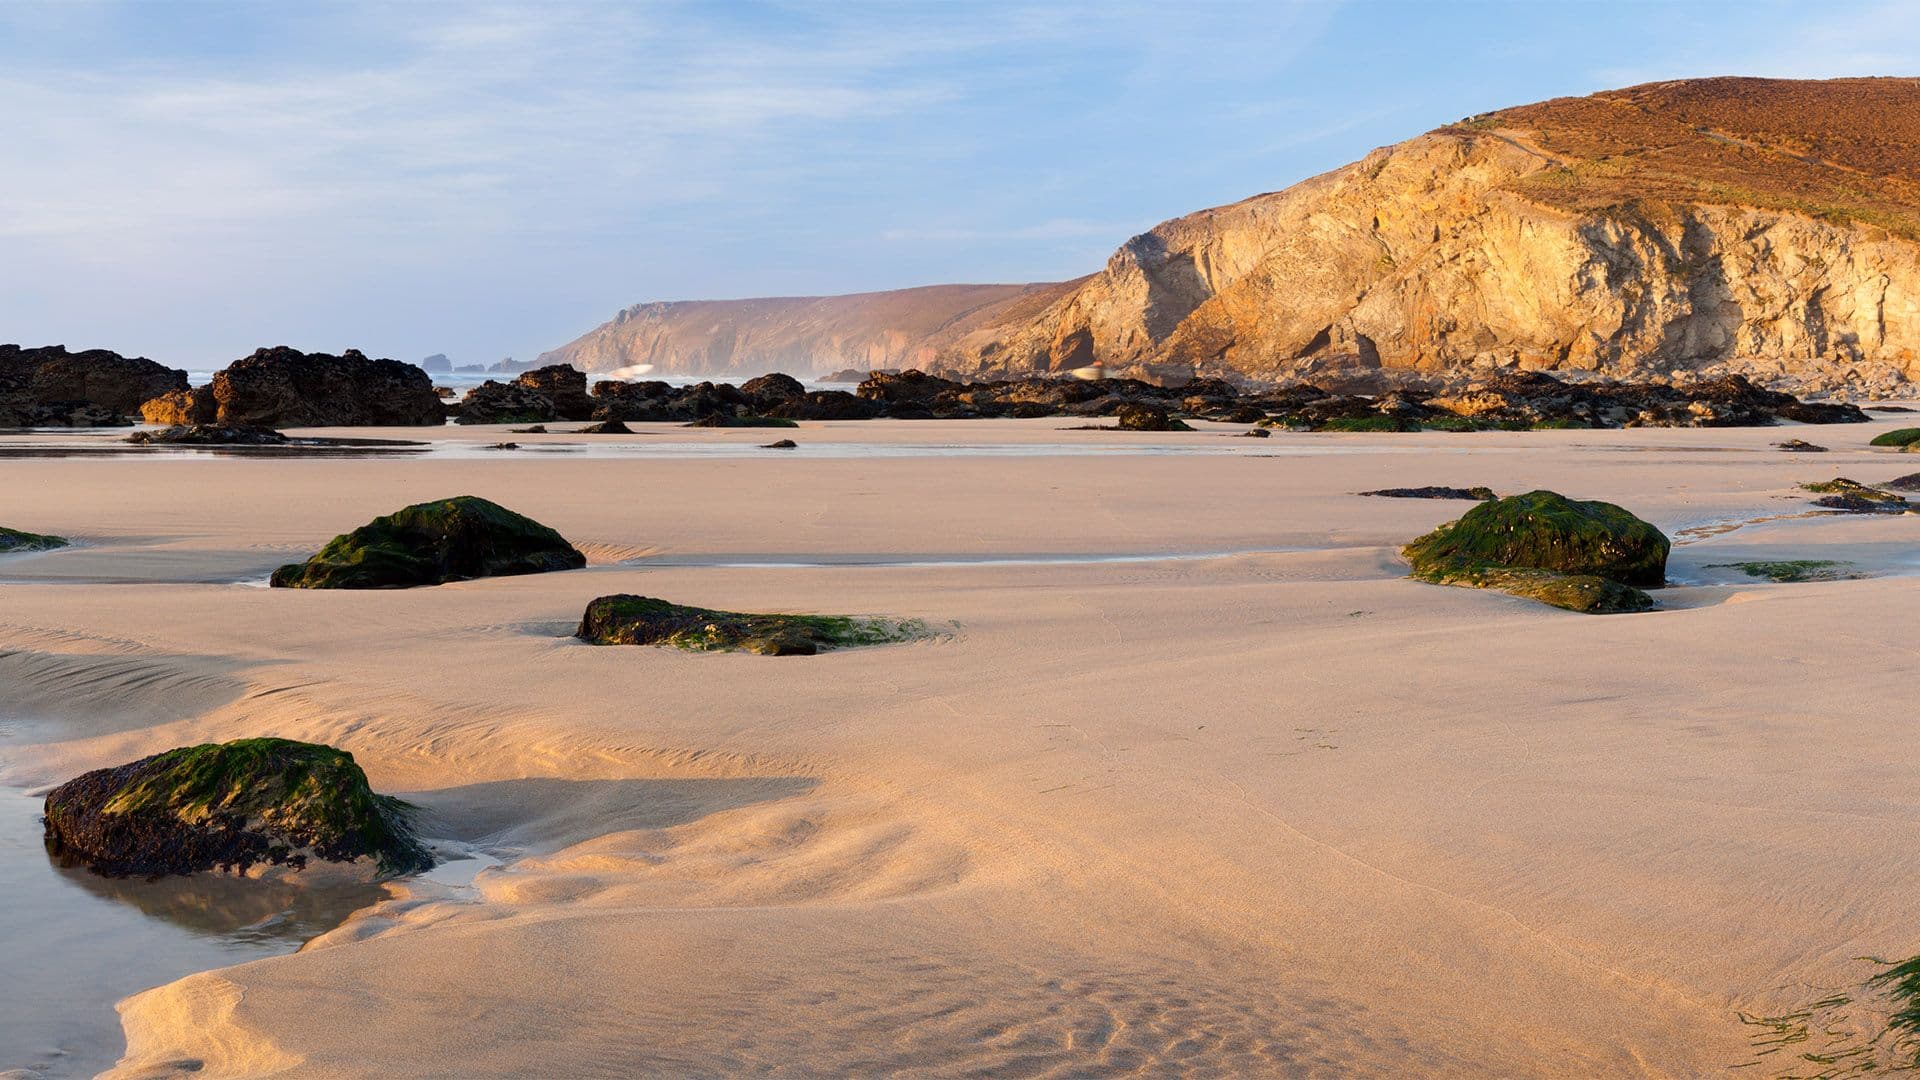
1264,808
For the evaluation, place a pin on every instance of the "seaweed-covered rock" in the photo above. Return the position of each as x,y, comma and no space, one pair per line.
432,543
1904,438
1134,416
1522,543
209,435
606,427
1800,446
625,619
12,540
781,444
229,806
1477,494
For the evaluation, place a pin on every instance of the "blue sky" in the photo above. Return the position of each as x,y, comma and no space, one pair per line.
191,180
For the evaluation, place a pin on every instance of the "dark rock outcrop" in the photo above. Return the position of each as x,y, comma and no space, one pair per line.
1583,556
1475,494
230,806
51,387
209,435
284,387
556,392
643,620
432,543
1138,417
606,427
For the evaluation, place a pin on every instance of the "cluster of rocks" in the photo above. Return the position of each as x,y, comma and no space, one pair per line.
284,387
51,387
1853,497
1590,557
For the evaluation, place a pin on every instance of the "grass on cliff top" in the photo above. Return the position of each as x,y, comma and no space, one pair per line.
1844,150
15,540
316,795
1787,571
645,620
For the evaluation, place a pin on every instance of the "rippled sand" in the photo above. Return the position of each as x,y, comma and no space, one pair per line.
1271,811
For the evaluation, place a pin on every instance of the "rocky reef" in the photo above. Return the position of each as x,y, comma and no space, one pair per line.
283,387
51,387
231,806
1590,557
433,543
643,620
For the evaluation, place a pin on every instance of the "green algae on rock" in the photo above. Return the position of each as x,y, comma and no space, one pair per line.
230,806
1582,556
1788,571
1904,437
432,543
625,619
14,540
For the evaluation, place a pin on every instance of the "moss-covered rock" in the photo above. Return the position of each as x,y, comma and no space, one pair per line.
1583,556
229,806
14,540
625,619
1901,437
431,543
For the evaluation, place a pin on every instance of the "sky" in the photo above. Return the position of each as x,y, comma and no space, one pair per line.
192,180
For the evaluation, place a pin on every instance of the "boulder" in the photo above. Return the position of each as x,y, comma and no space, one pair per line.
432,543
781,444
1583,556
769,389
606,427
625,619
52,379
1139,417
12,540
505,403
231,806
825,405
283,387
564,386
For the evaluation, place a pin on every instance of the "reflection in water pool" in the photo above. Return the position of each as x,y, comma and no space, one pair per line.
76,942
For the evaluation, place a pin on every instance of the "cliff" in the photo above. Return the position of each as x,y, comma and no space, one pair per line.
1766,224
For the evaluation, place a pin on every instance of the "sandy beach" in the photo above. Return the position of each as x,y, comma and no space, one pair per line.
1190,779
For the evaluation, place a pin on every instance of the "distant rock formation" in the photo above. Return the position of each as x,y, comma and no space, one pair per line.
283,387
437,364
1722,226
51,387
804,334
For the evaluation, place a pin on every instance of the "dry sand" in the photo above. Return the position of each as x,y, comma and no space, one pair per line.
1275,813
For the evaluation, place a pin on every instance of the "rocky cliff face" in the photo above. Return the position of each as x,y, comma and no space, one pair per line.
1715,224
802,334
1647,230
